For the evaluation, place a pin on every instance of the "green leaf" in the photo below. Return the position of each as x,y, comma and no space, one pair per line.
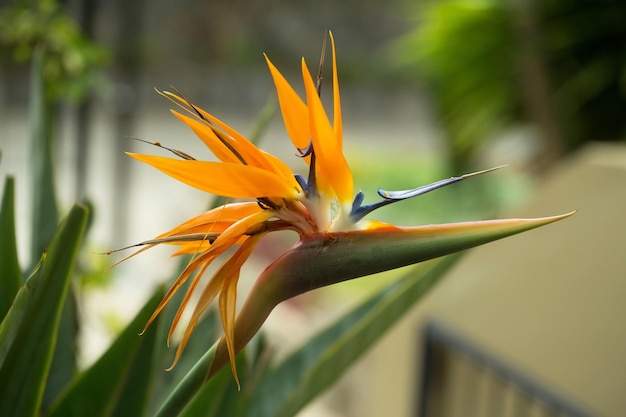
63,368
206,332
190,392
11,277
45,218
29,331
45,214
287,388
10,325
185,390
219,396
118,383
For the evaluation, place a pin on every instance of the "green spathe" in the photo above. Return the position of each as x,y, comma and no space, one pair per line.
324,259
319,260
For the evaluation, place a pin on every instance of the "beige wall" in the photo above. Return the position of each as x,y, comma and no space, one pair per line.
551,302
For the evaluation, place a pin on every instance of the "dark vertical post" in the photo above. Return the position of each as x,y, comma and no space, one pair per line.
84,112
127,55
535,82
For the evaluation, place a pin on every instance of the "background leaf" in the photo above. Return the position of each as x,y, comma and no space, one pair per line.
45,214
45,218
207,331
11,277
28,332
219,396
287,388
119,382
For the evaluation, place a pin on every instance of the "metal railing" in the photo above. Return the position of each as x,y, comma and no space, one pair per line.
461,379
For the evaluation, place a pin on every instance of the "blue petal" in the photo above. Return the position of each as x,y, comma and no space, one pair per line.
358,211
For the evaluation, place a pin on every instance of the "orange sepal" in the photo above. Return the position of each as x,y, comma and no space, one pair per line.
333,171
293,109
250,154
210,139
337,125
225,179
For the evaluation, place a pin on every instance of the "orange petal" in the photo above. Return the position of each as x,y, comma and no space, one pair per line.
222,243
229,271
182,278
250,154
293,109
208,294
192,248
332,169
376,225
190,290
247,225
215,220
225,179
229,238
228,297
246,149
204,132
337,125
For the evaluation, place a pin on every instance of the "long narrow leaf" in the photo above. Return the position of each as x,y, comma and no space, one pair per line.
182,394
10,327
45,214
118,383
64,367
45,218
29,330
287,388
219,397
207,330
11,277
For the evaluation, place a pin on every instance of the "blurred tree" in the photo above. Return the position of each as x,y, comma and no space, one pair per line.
585,44
559,65
71,61
462,51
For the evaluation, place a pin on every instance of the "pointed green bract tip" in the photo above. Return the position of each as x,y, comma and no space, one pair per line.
324,259
327,258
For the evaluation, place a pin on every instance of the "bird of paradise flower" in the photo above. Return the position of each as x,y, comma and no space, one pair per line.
322,208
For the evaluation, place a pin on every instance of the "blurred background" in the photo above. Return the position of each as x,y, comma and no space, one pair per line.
430,89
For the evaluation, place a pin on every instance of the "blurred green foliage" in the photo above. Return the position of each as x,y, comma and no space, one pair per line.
72,62
472,54
584,44
462,52
9,265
